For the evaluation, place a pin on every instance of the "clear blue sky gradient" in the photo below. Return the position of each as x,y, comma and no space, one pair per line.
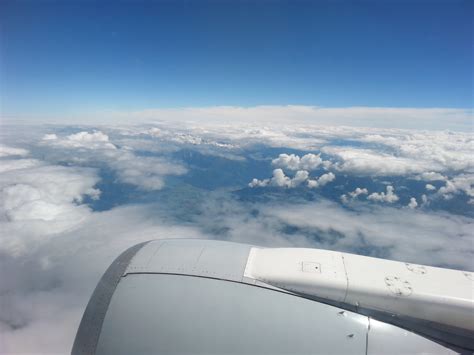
66,56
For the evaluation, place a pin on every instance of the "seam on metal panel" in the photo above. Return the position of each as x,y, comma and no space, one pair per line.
154,254
456,339
88,333
199,257
260,285
347,277
367,337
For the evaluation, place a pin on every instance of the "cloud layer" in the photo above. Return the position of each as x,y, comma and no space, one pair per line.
400,194
145,172
381,117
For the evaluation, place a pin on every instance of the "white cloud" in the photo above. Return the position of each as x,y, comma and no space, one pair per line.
303,164
389,196
59,277
54,248
401,234
432,118
45,290
358,191
6,151
300,177
462,183
84,139
145,172
96,136
430,187
227,136
307,162
9,165
367,162
431,176
279,179
50,137
354,194
425,155
412,204
421,155
39,200
321,181
434,151
258,183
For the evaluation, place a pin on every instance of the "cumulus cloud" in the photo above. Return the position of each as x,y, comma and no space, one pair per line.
354,194
300,177
307,162
389,196
412,204
321,181
462,183
303,165
258,183
358,191
430,187
279,179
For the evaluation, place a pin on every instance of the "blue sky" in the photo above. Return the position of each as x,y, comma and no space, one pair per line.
82,56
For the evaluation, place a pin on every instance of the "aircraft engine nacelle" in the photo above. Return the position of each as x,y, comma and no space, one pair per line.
189,296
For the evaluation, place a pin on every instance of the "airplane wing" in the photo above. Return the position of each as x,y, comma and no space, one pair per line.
190,296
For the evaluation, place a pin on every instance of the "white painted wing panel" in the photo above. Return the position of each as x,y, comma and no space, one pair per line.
309,271
440,295
427,293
